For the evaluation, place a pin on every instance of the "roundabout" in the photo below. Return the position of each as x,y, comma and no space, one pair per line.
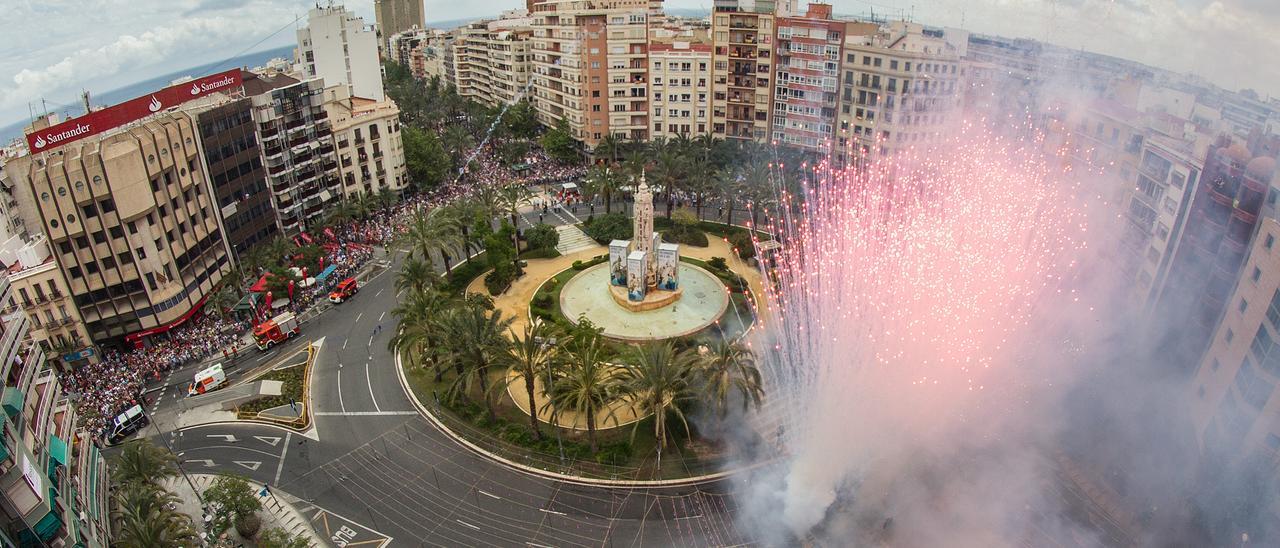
704,300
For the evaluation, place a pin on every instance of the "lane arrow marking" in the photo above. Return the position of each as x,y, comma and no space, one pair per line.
269,440
250,464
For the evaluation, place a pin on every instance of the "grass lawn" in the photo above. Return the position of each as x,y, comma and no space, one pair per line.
290,391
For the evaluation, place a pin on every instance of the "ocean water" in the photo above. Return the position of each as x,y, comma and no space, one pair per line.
144,87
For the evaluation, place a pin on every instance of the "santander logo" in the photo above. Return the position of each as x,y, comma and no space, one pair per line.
155,104
40,142
195,89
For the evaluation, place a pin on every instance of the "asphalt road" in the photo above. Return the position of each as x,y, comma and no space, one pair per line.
378,470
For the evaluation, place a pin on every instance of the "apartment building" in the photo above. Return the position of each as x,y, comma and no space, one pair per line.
680,70
400,46
493,63
742,33
901,88
807,81
54,484
590,66
40,292
428,59
369,149
396,16
337,47
232,154
297,148
1233,402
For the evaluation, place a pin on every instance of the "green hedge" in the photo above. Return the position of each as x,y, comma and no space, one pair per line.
461,277
608,227
544,253
691,237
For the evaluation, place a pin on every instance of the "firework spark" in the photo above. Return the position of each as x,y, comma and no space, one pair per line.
902,298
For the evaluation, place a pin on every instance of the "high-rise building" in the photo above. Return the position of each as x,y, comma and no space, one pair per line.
297,147
367,132
130,216
807,69
493,62
54,484
233,156
742,33
590,66
396,16
400,46
337,47
680,74
901,88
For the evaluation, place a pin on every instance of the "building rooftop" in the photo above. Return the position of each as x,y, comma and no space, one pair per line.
257,84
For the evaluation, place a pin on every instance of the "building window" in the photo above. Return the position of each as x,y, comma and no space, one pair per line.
1243,305
1230,335
1271,240
1257,273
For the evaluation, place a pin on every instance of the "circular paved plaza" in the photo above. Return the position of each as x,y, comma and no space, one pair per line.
704,301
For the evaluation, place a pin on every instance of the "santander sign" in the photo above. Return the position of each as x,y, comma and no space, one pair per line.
99,121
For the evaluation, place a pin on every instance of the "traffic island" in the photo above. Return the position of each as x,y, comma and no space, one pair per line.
289,408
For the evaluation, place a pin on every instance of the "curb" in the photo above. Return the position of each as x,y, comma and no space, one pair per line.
547,474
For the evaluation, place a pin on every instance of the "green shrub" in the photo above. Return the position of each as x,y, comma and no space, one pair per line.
742,242
577,265
718,263
542,299
614,454
542,236
685,236
544,253
608,227
500,279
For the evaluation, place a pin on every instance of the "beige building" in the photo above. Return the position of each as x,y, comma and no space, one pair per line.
1234,406
900,89
130,219
742,33
367,133
590,66
680,74
40,291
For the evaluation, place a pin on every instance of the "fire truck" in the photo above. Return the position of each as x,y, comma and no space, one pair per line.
276,330
345,290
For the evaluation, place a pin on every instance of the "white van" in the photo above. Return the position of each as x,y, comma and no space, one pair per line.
128,422
208,380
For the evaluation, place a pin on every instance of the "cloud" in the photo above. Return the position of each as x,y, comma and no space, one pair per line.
216,5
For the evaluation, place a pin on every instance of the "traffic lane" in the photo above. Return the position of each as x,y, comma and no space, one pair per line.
263,453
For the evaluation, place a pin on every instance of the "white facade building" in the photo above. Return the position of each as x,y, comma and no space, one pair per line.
338,47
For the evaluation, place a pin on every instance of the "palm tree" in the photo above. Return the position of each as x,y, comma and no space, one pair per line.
418,338
476,343
510,198
416,275
385,198
658,382
437,231
585,384
729,366
458,140
610,147
223,300
143,462
144,520
727,183
604,182
531,355
669,171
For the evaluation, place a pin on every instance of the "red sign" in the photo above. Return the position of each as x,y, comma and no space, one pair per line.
99,121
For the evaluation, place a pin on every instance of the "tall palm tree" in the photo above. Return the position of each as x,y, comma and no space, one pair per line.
658,382
476,343
604,182
416,275
510,198
421,327
669,170
142,461
729,366
385,198
458,140
223,300
727,183
585,383
144,520
610,148
530,354
437,231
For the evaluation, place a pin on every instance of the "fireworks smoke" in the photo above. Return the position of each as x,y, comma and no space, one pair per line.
904,324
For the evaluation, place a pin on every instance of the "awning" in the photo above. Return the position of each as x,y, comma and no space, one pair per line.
247,304
58,449
162,328
261,285
328,271
12,401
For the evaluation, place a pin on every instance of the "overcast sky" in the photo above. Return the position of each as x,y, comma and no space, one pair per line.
55,48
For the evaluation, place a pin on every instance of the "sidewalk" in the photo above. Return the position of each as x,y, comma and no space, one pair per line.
277,509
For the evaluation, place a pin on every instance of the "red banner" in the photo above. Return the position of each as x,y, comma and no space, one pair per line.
99,121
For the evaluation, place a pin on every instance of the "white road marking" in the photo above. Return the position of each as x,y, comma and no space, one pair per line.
370,382
382,315
553,512
467,524
344,408
269,440
207,463
370,340
488,494
280,467
690,517
359,315
250,464
375,295
362,413
344,344
228,437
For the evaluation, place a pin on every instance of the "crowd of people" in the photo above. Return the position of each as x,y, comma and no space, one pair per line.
110,386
